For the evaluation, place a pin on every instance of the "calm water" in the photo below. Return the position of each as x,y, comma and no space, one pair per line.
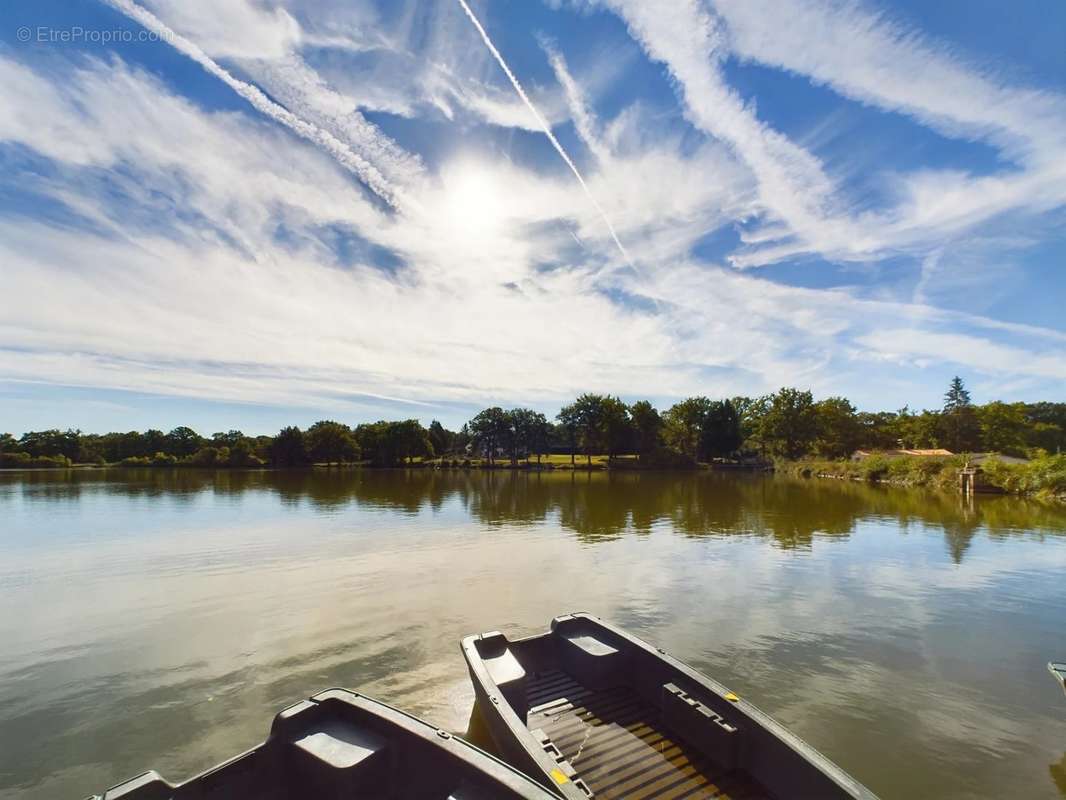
159,619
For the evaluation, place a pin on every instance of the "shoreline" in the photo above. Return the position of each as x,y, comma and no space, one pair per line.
521,466
942,475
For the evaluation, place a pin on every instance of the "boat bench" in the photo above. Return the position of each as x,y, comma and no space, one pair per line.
338,757
589,659
506,672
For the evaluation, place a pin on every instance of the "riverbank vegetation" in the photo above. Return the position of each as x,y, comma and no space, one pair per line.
789,428
1044,475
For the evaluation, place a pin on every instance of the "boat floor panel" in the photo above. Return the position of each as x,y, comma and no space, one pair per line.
617,744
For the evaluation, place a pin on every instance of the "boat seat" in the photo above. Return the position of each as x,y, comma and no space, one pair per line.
591,645
589,659
510,677
341,757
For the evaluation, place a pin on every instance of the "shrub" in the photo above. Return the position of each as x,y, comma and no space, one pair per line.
875,468
1046,474
209,457
24,460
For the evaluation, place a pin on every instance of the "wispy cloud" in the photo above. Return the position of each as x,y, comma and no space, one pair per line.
167,219
359,166
865,55
584,119
545,127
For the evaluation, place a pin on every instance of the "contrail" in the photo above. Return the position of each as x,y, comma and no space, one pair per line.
545,127
348,158
583,118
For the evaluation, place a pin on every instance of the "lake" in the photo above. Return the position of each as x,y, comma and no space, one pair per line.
158,619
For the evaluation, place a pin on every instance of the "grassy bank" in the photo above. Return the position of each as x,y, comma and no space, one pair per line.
561,462
1043,477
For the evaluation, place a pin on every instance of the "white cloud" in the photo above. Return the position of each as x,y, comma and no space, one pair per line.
211,267
866,56
407,62
343,153
584,120
793,186
232,28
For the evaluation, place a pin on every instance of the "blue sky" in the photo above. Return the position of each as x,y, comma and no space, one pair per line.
255,212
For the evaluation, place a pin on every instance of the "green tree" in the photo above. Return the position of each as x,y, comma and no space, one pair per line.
462,439
961,430
412,439
839,431
616,426
751,411
1003,427
389,443
588,411
790,424
242,454
230,438
647,423
1045,436
683,425
91,449
209,456
527,432
1046,426
491,430
8,443
540,431
331,442
153,441
569,423
183,441
877,430
442,439
52,442
720,436
288,448
956,396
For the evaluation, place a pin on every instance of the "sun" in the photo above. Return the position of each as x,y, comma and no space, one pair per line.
475,200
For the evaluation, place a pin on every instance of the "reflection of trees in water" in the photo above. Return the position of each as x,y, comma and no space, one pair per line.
596,506
1058,775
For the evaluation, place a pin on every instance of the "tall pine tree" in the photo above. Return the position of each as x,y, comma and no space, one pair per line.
960,427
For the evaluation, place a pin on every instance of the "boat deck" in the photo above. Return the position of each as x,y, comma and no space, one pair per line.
619,747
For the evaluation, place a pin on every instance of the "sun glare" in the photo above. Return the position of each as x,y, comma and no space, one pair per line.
474,199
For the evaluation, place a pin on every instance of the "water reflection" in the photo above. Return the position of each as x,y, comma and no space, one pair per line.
159,618
595,506
1058,775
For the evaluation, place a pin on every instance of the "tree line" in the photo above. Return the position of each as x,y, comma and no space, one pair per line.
789,424
326,442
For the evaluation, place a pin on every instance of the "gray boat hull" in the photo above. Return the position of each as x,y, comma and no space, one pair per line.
587,708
